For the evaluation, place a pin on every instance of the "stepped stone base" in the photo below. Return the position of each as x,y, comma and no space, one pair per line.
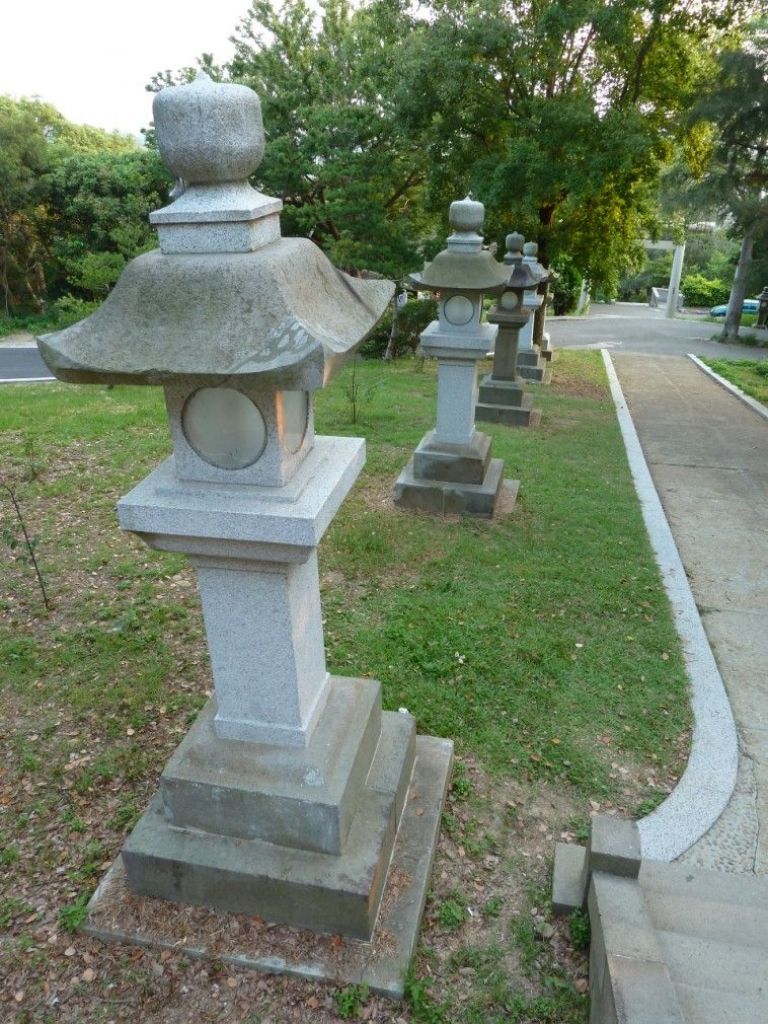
504,401
338,893
453,463
447,496
117,914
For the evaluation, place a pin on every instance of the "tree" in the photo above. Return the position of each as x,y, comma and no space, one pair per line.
349,174
73,204
98,208
734,114
559,114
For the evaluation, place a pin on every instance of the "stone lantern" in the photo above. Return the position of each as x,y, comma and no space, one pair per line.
530,364
452,469
502,399
288,794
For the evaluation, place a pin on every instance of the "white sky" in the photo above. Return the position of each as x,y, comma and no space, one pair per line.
92,58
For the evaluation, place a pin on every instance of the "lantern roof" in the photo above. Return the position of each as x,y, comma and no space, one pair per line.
225,297
464,265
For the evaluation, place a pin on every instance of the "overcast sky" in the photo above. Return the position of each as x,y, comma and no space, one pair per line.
92,58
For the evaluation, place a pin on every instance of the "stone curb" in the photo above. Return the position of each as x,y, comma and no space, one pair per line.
709,779
753,404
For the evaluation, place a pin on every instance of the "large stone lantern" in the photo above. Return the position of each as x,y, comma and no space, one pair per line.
502,399
452,469
288,795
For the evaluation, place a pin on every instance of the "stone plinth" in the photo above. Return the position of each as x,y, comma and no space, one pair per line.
501,396
531,366
355,809
452,470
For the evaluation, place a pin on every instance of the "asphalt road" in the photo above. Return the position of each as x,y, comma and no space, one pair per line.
631,327
22,363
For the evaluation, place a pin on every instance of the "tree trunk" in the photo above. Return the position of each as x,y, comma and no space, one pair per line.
738,289
390,351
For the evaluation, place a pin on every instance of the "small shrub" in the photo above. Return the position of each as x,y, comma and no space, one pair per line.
702,291
351,1000
412,318
73,915
451,914
579,928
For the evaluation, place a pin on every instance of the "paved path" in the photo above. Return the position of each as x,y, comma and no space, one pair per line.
708,456
631,327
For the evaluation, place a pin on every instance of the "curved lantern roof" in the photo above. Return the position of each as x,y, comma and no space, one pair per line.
225,297
463,266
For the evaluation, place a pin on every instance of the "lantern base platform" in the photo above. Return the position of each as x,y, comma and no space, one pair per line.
447,497
530,366
505,402
116,914
325,892
305,797
453,463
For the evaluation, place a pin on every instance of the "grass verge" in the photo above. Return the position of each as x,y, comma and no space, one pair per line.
541,642
748,374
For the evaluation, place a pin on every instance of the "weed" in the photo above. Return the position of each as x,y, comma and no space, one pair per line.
73,915
11,908
579,928
29,543
351,1000
492,907
461,785
451,914
9,854
424,1008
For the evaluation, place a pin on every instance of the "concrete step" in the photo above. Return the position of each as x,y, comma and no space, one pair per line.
709,965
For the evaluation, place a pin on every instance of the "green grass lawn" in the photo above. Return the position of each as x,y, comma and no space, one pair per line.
541,643
748,374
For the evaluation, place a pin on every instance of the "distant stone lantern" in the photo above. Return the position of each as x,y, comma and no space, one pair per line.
530,364
285,798
502,399
452,469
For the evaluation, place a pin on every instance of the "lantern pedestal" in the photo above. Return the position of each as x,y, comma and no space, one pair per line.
505,402
452,470
502,399
285,797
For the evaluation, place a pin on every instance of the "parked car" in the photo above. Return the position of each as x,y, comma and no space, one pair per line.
748,306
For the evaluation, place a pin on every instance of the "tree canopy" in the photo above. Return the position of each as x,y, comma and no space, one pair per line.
729,171
73,204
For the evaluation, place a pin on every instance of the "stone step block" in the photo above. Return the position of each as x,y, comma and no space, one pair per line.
446,497
510,416
468,464
291,796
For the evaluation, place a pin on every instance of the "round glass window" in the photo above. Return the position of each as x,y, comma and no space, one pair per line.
458,310
224,427
509,301
295,406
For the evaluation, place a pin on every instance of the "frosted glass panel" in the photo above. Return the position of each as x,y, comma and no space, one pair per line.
295,410
224,427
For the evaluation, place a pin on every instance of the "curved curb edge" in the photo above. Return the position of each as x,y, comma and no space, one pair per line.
709,779
753,404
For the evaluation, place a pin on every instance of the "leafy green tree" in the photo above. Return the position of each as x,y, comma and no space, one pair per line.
735,180
98,207
350,173
73,204
559,114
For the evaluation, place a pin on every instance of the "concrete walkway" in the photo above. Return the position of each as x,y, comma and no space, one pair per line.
708,456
